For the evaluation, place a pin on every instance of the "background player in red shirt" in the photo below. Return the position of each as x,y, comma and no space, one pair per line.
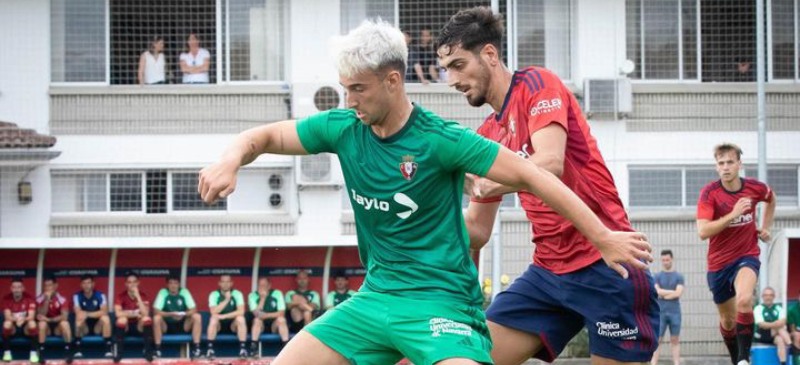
726,216
19,311
52,314
132,308
568,287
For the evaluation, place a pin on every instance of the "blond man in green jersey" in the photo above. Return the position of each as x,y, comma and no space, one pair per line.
404,168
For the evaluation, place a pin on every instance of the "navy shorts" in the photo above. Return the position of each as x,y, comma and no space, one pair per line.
721,282
621,315
671,320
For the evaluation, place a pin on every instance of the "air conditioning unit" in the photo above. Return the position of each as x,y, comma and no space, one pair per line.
317,170
311,98
608,96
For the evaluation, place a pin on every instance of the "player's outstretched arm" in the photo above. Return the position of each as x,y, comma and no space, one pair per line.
219,179
616,247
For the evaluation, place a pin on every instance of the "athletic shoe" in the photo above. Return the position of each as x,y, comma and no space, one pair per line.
243,353
34,357
157,354
148,355
210,354
70,357
78,355
254,353
195,354
7,356
743,362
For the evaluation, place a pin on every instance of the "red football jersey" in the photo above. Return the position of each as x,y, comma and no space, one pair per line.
536,99
131,304
740,238
19,308
57,302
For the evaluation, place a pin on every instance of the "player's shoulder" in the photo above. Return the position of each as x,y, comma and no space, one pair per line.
433,125
537,79
751,182
710,188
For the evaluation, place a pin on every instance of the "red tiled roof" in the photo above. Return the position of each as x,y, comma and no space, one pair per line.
12,136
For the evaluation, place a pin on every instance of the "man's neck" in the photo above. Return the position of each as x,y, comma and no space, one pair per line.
395,120
342,291
88,294
17,298
174,292
732,185
496,95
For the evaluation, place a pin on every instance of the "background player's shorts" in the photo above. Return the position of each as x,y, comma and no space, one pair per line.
375,328
764,335
176,326
225,326
671,320
621,315
90,324
52,326
721,282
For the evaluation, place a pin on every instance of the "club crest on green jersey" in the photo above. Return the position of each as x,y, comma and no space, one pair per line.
408,167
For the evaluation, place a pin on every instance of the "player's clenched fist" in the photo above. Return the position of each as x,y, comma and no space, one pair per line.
217,181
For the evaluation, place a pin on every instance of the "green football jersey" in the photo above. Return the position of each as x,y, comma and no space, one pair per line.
335,298
273,303
793,315
406,195
216,297
167,302
769,314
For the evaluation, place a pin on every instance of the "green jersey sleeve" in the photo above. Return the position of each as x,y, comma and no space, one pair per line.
758,314
793,317
213,299
320,132
238,297
329,300
187,298
279,299
315,299
782,312
160,299
252,301
470,153
288,297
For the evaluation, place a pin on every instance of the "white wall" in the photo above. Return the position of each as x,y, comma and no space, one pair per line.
25,62
599,42
25,220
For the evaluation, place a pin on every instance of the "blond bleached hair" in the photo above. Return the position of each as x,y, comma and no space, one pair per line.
374,46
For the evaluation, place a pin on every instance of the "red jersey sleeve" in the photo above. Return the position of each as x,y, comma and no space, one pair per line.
548,104
705,205
766,194
484,131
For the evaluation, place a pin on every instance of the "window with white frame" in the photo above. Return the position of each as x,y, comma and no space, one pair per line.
103,41
78,46
544,27
151,192
680,186
663,40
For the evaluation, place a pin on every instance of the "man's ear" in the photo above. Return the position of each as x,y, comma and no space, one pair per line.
490,54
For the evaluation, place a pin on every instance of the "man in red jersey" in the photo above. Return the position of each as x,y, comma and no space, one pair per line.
19,312
568,286
726,215
133,316
53,316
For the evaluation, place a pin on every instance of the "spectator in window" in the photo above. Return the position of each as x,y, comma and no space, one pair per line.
341,293
770,320
151,63
268,308
176,312
423,59
91,315
226,305
302,302
19,319
132,309
195,62
52,314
